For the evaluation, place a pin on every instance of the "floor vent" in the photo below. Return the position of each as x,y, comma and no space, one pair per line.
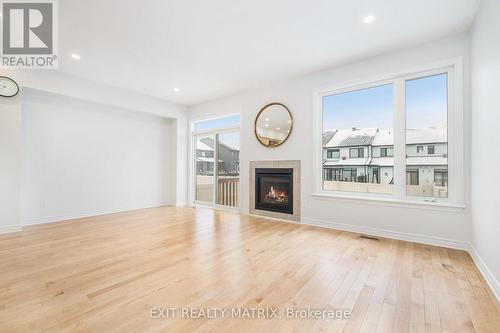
369,237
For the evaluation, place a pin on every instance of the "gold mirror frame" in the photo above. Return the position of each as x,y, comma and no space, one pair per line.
257,118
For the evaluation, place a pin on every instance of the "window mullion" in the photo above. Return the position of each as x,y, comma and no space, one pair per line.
399,138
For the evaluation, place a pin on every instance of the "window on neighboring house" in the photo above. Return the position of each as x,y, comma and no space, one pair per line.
420,149
356,152
337,175
441,177
333,174
375,176
350,175
327,174
386,152
412,177
430,150
333,153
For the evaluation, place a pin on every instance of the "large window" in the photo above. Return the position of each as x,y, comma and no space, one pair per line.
392,139
356,123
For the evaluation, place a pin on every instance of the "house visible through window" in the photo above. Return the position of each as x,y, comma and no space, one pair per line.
361,144
216,161
427,124
356,124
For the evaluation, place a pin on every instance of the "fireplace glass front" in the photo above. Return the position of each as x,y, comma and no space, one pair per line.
274,190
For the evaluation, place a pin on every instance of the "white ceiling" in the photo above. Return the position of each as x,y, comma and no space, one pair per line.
212,48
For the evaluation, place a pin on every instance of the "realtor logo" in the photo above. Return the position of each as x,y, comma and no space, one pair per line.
28,34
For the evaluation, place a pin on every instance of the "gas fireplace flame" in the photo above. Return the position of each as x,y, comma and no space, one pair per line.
276,195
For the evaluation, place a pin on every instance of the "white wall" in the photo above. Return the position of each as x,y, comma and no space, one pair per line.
10,156
71,86
54,82
297,95
81,158
485,46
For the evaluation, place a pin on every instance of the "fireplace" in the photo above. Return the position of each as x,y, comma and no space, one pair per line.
274,189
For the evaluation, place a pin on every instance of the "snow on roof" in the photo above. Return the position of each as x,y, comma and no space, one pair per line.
233,148
202,146
352,137
426,135
327,136
209,142
206,159
383,137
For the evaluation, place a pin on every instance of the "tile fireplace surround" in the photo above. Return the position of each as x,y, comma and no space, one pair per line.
295,165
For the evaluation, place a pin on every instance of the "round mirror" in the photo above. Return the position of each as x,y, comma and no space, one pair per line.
273,125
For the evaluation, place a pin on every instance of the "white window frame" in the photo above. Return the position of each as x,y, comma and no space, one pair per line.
456,139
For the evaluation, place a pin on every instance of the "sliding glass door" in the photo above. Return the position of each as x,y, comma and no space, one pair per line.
205,168
216,160
228,170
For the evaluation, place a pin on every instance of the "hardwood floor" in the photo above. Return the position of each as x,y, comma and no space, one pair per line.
108,273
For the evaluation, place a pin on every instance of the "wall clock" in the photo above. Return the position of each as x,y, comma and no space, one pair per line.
8,87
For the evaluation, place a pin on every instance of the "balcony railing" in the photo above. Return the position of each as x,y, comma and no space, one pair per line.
412,190
228,190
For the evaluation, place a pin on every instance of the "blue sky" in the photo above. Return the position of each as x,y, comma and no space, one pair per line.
232,139
216,123
426,105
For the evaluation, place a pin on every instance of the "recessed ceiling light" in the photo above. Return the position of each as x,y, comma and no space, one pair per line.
177,89
267,119
369,19
75,56
277,128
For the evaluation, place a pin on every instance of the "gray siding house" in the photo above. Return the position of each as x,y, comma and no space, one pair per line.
229,158
366,155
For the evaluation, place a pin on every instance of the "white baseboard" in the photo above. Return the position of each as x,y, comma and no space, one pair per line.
9,228
73,216
450,243
486,272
